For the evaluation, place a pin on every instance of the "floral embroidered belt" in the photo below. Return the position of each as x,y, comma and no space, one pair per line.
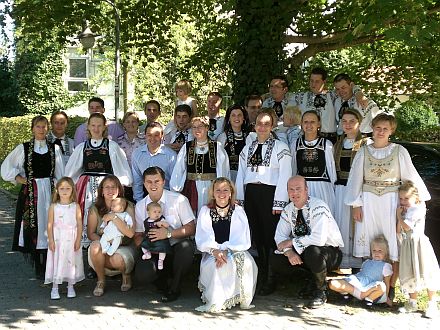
201,176
382,183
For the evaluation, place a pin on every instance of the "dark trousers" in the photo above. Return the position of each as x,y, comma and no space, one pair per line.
318,260
40,263
258,207
176,265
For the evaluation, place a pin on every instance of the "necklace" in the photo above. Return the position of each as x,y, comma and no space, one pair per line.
238,134
202,146
221,207
222,211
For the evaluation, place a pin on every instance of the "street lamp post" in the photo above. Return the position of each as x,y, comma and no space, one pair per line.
87,39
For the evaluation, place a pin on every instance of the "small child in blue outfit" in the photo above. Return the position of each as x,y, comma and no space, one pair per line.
162,247
372,283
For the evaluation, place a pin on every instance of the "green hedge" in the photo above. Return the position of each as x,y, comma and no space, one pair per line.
16,130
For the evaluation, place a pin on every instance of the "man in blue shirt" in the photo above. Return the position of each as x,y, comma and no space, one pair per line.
154,153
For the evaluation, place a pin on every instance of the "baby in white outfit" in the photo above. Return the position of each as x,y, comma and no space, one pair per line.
112,237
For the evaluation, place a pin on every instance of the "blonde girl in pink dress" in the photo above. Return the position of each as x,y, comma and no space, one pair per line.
64,228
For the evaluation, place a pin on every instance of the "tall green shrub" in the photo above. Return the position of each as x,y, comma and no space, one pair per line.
415,115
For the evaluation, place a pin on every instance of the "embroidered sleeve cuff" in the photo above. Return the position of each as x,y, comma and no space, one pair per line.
356,89
279,205
299,247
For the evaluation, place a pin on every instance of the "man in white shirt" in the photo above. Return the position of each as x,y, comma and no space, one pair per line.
319,99
279,97
175,136
307,235
253,105
347,99
178,214
59,121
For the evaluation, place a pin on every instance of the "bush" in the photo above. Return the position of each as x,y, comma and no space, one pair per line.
415,115
16,130
13,131
431,134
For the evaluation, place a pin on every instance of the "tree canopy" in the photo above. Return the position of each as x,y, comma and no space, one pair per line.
236,46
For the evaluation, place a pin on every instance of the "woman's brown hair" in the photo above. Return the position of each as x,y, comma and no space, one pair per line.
100,202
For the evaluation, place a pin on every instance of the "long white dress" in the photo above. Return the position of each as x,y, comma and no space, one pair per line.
178,178
418,267
13,165
74,169
379,211
320,189
233,283
344,217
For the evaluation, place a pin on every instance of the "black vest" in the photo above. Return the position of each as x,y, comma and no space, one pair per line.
221,225
310,160
200,164
41,163
96,160
344,166
233,149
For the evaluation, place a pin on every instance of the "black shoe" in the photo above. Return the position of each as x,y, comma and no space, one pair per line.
267,289
39,275
170,296
91,274
318,300
368,304
347,297
161,286
307,291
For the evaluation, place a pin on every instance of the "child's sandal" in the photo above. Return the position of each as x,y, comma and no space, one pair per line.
99,289
126,282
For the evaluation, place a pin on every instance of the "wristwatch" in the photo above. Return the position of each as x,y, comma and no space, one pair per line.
168,233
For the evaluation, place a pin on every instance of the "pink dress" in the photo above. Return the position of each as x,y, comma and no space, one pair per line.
64,264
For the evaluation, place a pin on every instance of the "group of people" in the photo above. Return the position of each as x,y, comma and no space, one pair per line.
295,177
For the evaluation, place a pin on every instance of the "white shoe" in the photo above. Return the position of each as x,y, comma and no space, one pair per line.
409,307
71,292
432,310
54,294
